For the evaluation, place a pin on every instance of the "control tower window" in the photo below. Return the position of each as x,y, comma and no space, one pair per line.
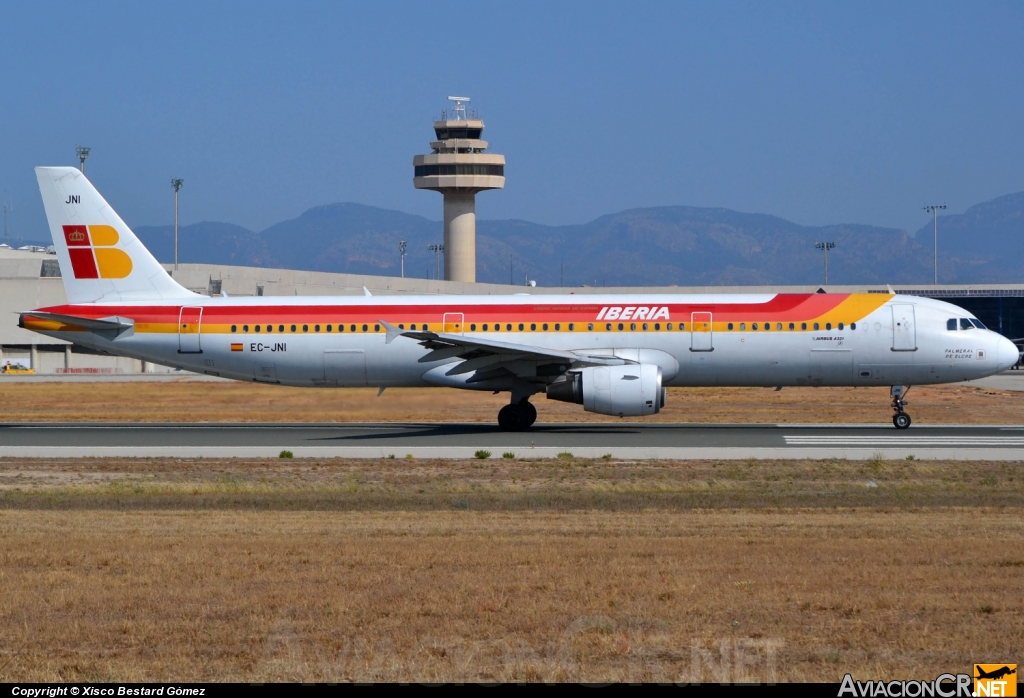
437,170
444,134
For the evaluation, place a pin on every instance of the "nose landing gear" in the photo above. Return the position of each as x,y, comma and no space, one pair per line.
900,420
517,416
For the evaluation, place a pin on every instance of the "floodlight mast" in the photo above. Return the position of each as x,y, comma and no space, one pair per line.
83,153
934,210
825,247
176,183
401,252
438,250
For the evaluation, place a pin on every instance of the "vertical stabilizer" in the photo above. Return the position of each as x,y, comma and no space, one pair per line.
100,257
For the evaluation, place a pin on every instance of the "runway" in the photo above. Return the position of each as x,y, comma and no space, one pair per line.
589,440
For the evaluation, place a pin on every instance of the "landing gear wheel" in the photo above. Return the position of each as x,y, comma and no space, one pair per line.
530,411
901,420
513,418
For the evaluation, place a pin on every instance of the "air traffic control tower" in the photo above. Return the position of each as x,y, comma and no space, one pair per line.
458,168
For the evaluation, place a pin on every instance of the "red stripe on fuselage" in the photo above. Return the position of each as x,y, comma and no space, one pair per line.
782,307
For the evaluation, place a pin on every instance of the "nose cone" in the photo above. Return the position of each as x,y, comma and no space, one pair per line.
1007,354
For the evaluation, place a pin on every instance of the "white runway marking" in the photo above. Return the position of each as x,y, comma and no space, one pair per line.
903,440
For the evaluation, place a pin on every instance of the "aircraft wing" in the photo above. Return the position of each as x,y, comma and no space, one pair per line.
491,358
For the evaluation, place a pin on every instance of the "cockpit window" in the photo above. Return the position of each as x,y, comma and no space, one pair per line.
965,324
977,323
951,323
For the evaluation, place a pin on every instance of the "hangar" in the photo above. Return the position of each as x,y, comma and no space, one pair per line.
30,278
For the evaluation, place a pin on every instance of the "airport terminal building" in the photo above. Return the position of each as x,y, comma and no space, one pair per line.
30,278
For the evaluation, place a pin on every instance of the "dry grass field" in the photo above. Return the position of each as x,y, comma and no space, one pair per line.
332,570
192,401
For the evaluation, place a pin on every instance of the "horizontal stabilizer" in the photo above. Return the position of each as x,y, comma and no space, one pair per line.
107,324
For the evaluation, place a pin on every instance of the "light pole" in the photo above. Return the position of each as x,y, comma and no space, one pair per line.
83,153
437,250
401,251
934,210
176,183
825,247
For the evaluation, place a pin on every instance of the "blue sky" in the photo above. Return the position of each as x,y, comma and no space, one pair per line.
816,112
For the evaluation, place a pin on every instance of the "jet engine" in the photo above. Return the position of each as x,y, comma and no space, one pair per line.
631,390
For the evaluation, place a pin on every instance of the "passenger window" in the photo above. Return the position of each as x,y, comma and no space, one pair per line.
485,327
730,325
305,328
329,328
293,328
257,328
280,328
472,328
557,327
621,327
234,328
828,325
853,325
815,325
245,328
682,326
608,327
803,325
351,328
753,326
951,323
426,327
778,325
645,327
590,327
792,327
965,324
743,326
316,328
341,328
508,327
668,326
376,328
521,327
657,326
840,325
767,326
572,327
270,328
365,328
632,326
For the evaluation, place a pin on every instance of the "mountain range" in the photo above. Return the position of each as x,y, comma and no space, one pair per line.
682,245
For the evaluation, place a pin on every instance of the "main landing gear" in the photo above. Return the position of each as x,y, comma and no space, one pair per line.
900,420
517,416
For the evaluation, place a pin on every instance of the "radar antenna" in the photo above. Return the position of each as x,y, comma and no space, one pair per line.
459,109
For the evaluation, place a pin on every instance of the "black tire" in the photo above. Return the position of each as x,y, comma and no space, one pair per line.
530,410
901,420
513,418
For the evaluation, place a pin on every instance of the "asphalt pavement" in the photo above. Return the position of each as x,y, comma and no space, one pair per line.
425,440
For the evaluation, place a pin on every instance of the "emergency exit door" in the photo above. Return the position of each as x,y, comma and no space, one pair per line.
453,323
189,325
700,332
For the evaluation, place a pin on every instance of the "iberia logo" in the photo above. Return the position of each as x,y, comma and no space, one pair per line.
995,680
93,255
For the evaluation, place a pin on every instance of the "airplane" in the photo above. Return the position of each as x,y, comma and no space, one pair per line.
612,354
995,673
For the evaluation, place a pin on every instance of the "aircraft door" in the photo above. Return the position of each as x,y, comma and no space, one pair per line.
189,324
700,332
453,323
904,330
345,367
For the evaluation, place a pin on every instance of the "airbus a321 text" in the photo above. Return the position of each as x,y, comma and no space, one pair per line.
612,354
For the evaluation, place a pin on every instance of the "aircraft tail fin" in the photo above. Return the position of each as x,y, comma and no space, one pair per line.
100,258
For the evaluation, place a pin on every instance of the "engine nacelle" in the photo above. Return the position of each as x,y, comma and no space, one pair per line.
632,390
